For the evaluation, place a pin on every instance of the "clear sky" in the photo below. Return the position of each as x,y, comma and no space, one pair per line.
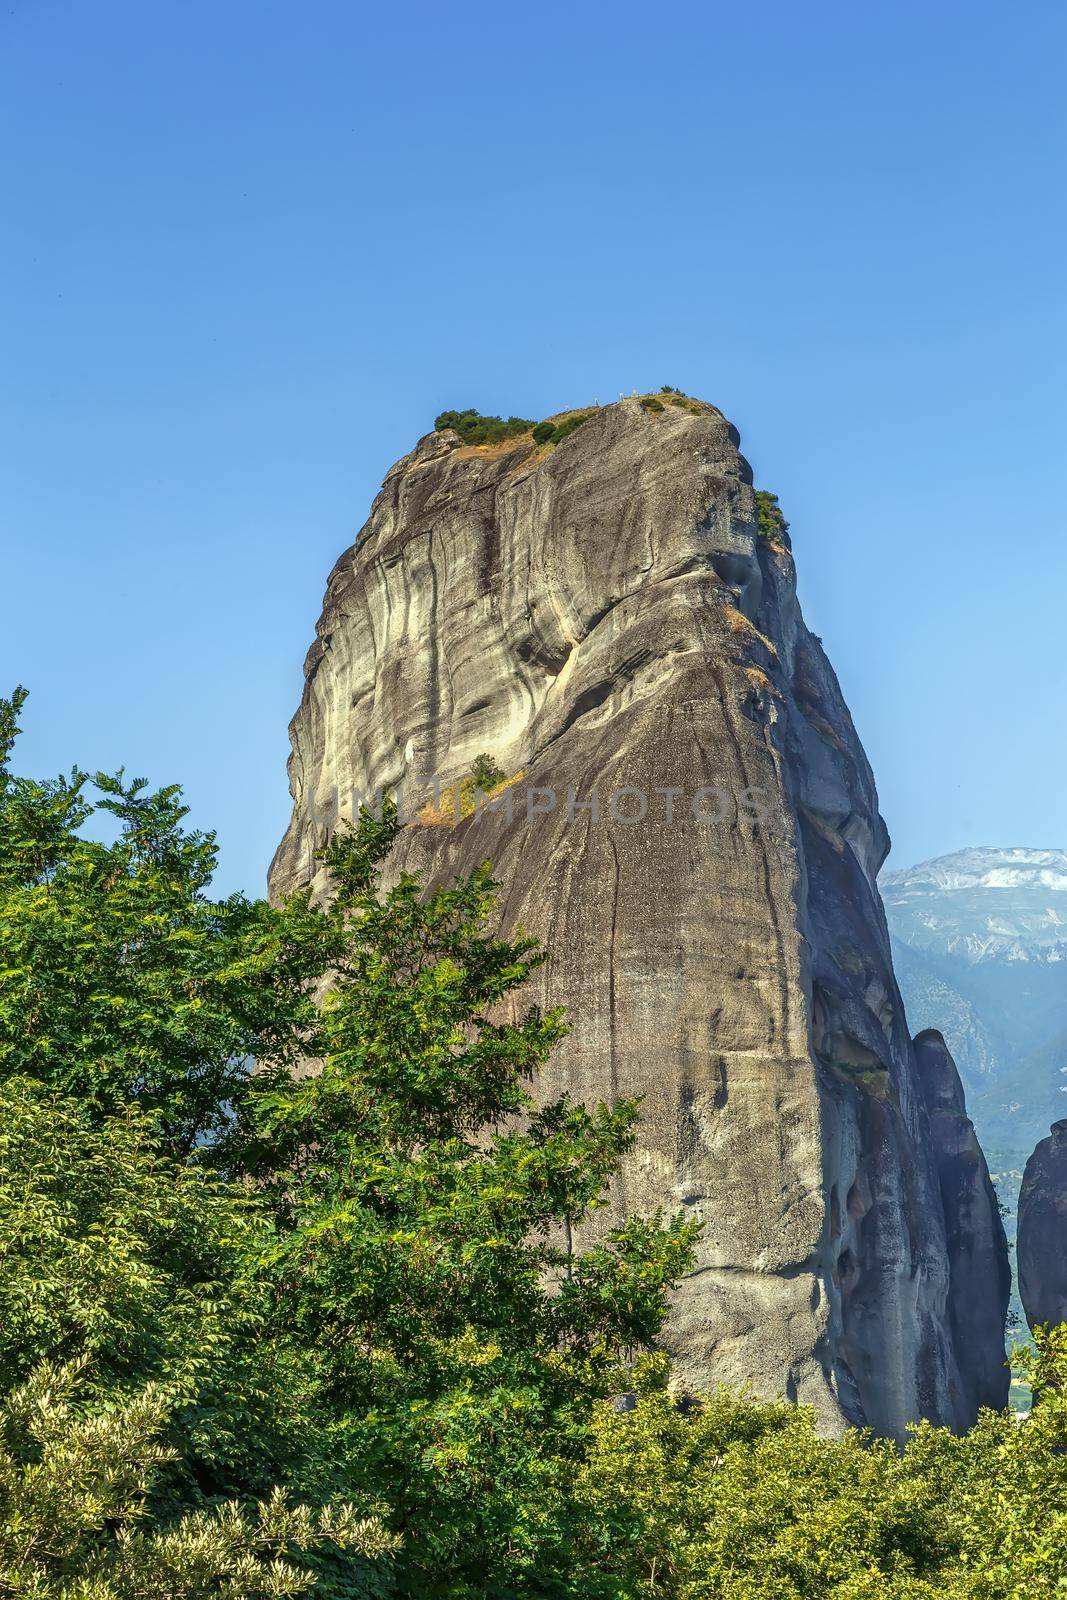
250,249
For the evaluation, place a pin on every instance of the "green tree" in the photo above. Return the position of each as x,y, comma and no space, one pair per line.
426,1203
116,1256
122,979
486,774
74,1524
357,1285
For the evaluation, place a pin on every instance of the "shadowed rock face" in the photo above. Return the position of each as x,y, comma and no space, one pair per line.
1043,1231
604,618
979,1274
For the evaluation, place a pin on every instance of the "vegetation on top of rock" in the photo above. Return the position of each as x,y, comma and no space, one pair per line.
473,428
554,432
770,519
486,773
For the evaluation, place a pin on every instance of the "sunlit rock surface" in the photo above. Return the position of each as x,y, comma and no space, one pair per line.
603,619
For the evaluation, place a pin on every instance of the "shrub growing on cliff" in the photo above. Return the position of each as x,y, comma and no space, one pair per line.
556,432
473,428
486,774
770,519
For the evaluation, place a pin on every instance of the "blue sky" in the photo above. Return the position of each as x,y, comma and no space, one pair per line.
251,249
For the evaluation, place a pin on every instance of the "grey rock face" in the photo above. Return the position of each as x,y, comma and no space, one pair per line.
979,1277
1043,1231
603,619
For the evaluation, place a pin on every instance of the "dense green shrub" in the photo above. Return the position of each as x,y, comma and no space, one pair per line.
554,432
476,429
486,773
473,428
650,403
770,520
728,1498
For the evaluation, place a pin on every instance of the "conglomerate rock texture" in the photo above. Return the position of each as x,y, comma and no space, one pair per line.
692,829
1043,1231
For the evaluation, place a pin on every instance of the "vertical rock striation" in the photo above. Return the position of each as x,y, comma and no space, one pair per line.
979,1274
1043,1231
692,828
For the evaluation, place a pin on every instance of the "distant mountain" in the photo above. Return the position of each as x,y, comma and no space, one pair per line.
980,951
984,905
981,946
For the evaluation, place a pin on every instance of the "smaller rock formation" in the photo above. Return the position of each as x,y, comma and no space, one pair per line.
974,1232
1043,1231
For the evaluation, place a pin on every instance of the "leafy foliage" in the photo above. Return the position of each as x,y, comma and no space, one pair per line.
74,1492
424,1264
556,432
116,1256
122,979
727,1497
263,1334
359,1285
486,774
473,428
770,520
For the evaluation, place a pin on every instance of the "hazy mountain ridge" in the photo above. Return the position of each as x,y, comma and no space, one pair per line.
979,945
981,938
982,941
983,905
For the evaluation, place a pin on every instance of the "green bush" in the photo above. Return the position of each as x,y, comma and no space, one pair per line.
473,428
555,432
728,1498
486,773
650,403
770,521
